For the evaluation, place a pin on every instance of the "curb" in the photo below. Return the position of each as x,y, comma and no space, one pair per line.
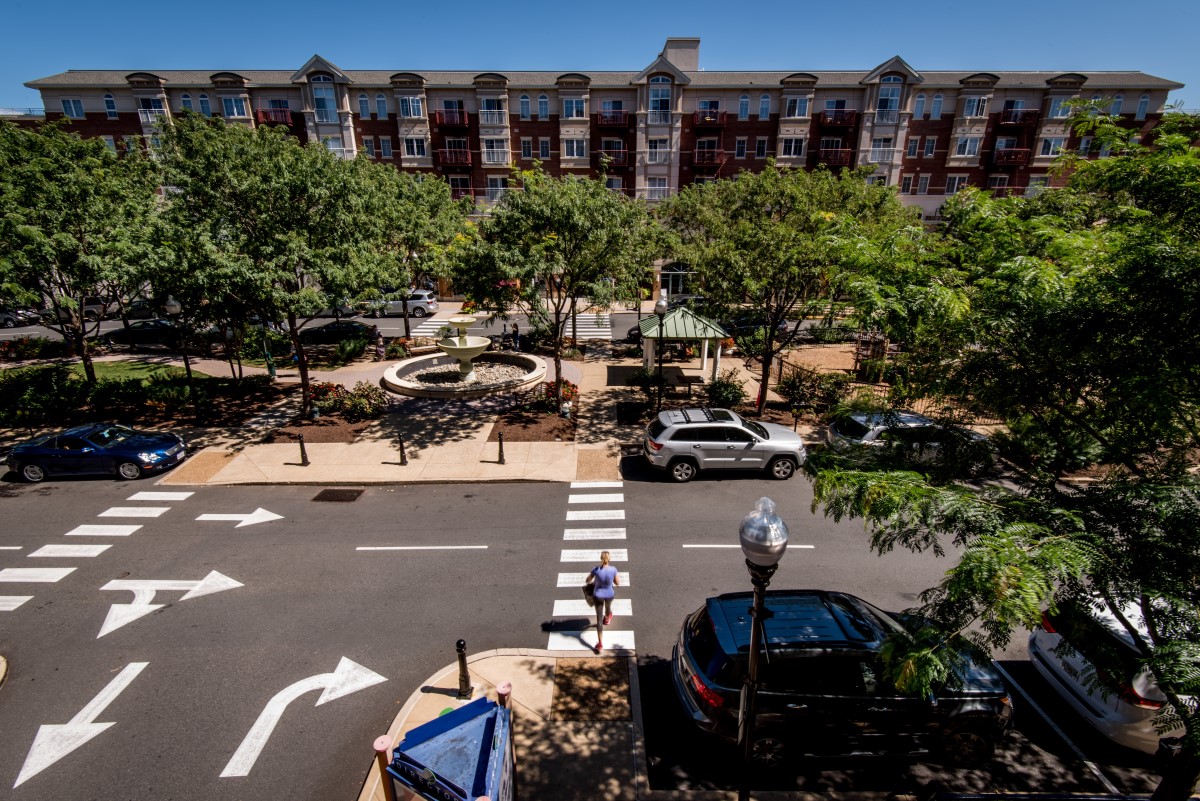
3,670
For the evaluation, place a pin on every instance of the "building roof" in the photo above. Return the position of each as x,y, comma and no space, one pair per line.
681,323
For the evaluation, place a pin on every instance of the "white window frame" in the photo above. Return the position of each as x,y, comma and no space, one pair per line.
791,147
110,105
923,185
1006,142
796,108
906,184
997,182
205,107
967,146
739,148
1052,145
744,107
919,108
657,188
385,147
658,150
364,106
1085,146
760,147
613,182
414,147
543,107
930,147
497,185
764,107
573,108
935,108
523,107
1117,101
323,92
1143,107
230,106
1057,109
185,101
573,148
544,151
409,107
914,147
110,143
975,106
72,107
955,184
527,148
381,106
493,154
369,146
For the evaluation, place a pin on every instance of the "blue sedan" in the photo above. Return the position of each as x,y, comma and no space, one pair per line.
102,448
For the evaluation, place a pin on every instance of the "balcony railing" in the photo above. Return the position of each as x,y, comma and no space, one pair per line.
880,155
619,157
151,116
496,156
619,117
711,158
326,115
839,117
1019,116
709,119
493,193
836,156
281,116
22,112
1011,156
658,156
493,117
454,117
459,192
887,116
658,118
657,193
452,156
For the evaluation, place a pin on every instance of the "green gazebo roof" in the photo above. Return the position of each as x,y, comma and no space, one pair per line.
681,323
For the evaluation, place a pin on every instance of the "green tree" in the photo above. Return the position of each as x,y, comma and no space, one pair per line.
74,222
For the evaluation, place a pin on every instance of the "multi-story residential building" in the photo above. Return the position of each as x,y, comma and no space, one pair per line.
649,132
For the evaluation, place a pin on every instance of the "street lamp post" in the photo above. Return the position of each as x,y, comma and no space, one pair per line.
763,537
660,308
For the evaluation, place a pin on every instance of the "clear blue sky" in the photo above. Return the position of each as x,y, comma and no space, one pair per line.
43,38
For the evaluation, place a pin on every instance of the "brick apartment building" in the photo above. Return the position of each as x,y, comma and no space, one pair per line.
650,132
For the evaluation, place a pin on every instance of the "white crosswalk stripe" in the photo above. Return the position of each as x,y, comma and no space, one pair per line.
97,530
596,514
160,496
593,534
615,497
10,602
577,579
135,511
70,550
597,484
621,607
589,326
586,641
44,575
593,555
426,327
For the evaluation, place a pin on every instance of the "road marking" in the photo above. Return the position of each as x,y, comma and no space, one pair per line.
421,548
736,545
10,602
46,575
611,497
160,496
593,534
11,547
593,555
577,579
621,607
586,641
70,550
1029,700
349,677
596,514
143,593
55,741
97,530
135,511
259,515
596,484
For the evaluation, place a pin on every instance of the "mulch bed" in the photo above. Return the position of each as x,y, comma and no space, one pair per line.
521,425
327,428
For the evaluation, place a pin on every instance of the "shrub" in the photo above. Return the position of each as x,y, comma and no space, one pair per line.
120,397
328,396
804,387
24,348
350,349
35,396
278,343
726,391
750,343
397,349
365,402
645,380
570,392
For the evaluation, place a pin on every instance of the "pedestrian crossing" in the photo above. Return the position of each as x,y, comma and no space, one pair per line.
589,326
577,631
426,327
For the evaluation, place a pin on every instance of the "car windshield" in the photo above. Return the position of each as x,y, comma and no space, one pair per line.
756,428
111,435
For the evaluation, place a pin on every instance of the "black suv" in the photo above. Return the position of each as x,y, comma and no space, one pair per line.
821,685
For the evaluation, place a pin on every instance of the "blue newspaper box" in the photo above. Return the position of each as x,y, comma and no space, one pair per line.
460,756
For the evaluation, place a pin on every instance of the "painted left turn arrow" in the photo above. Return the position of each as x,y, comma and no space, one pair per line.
259,515
55,741
143,593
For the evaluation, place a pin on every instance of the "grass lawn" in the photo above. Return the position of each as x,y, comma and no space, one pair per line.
133,369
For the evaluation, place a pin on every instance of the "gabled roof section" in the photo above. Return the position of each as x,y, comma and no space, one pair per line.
799,79
227,79
490,79
573,80
144,80
661,65
1068,80
980,80
893,64
681,323
407,79
319,64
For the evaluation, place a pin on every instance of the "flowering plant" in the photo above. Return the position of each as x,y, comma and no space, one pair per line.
570,391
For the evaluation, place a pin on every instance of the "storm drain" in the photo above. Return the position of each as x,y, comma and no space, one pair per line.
338,495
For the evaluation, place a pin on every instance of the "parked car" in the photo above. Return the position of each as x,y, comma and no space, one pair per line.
694,302
1121,705
338,331
142,309
926,438
822,686
145,332
12,318
748,323
685,441
102,448
421,303
339,312
93,308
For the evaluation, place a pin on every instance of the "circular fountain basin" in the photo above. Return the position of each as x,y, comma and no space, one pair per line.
403,377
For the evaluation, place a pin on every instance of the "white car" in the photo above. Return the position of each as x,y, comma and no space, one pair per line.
421,303
1121,707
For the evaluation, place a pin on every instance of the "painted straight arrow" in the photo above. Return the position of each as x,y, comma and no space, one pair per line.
349,677
55,741
143,593
259,515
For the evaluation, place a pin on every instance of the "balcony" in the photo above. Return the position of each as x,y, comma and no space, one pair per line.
839,118
616,157
493,193
151,116
1019,116
658,118
658,156
880,155
657,193
613,118
22,112
708,158
886,116
708,119
451,118
496,156
452,157
1011,157
840,157
459,192
493,117
275,116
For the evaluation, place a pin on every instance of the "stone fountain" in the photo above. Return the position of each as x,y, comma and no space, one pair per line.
463,347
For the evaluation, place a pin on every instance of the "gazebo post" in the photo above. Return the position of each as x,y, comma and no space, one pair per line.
703,355
647,353
716,362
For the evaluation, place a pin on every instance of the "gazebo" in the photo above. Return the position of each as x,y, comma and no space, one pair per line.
682,325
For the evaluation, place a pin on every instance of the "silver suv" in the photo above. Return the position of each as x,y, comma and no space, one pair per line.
686,441
421,303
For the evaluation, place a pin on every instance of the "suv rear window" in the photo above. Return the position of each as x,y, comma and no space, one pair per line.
851,428
1093,640
656,428
706,651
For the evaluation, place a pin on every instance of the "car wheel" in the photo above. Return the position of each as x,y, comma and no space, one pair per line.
967,746
782,468
418,312
375,313
33,473
769,750
9,323
682,471
129,471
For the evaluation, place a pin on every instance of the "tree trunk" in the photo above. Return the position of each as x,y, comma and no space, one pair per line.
765,378
574,324
85,356
407,328
191,382
1179,777
302,364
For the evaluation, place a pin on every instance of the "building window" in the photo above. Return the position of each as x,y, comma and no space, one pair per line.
744,107
110,143
656,189
410,107
760,147
186,101
955,183
324,100
369,146
72,108
131,144
526,148
1058,109
1142,107
574,148
660,101
495,188
919,108
764,107
524,107
1105,151
1036,185
414,146
659,151
381,107
796,107
612,182
495,151
997,182
791,147
385,147
930,146
110,106
1052,146
881,149
1085,146
1115,108
906,185
205,108
573,108
234,106
543,107
739,148
914,142
967,146
935,110
975,106
364,107
923,185
460,186
1006,142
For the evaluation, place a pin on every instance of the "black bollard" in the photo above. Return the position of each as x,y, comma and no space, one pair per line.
403,455
303,453
500,436
464,680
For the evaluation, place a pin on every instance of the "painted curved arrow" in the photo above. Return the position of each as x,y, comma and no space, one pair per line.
143,593
349,677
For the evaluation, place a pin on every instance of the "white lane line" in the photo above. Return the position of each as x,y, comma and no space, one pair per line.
11,547
97,530
160,496
596,514
736,545
421,548
621,607
596,484
593,555
22,575
577,579
10,602
70,550
134,511
611,497
593,533
1029,700
586,641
